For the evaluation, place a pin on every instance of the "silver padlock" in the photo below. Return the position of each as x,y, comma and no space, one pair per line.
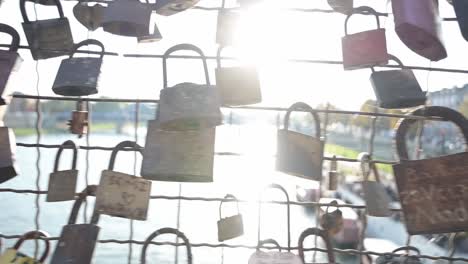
10,61
62,184
316,232
273,257
121,194
167,230
232,226
8,166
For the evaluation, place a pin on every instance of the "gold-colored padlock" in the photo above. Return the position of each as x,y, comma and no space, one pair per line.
13,256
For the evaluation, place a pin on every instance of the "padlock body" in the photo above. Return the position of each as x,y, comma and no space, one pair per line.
123,195
417,24
89,16
62,186
49,38
9,63
299,155
171,7
126,18
397,89
76,244
8,169
12,256
77,77
388,259
333,180
226,27
189,106
461,10
364,49
178,156
376,197
150,37
238,86
273,257
79,122
230,227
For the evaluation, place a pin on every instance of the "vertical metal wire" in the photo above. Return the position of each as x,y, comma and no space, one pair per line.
88,132
135,169
452,247
179,204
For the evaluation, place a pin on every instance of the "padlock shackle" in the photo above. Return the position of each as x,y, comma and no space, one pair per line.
288,206
184,46
407,248
363,10
25,15
121,146
268,241
392,58
365,160
304,107
88,42
316,232
35,235
229,196
15,38
166,230
88,191
69,144
404,124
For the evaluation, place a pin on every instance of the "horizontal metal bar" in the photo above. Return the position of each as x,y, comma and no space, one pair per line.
65,51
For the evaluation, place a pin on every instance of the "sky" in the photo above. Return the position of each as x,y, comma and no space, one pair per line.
269,35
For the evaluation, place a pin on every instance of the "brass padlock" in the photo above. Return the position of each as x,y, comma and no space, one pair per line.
333,175
47,38
332,222
417,24
227,25
89,16
402,259
273,257
461,11
342,6
121,194
8,165
375,195
171,7
167,230
364,49
431,190
316,232
188,106
79,76
237,85
128,18
300,154
77,241
232,226
79,122
10,61
13,256
62,184
397,88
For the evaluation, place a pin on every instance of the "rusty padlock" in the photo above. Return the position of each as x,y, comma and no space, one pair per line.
333,175
417,24
397,88
402,259
332,222
316,232
13,256
62,184
167,230
79,123
89,16
461,11
47,38
171,7
79,76
77,241
128,18
432,190
121,194
300,154
188,106
227,24
341,6
364,49
10,61
375,195
232,226
273,257
237,85
8,165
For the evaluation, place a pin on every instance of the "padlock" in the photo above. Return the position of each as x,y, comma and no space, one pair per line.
417,24
178,156
461,11
332,222
364,49
8,166
62,184
342,6
89,16
47,38
79,76
10,61
232,226
171,7
150,37
333,175
431,190
77,241
316,232
128,18
273,257
300,154
227,24
375,195
237,85
167,230
13,256
397,88
120,194
402,259
79,122
188,106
